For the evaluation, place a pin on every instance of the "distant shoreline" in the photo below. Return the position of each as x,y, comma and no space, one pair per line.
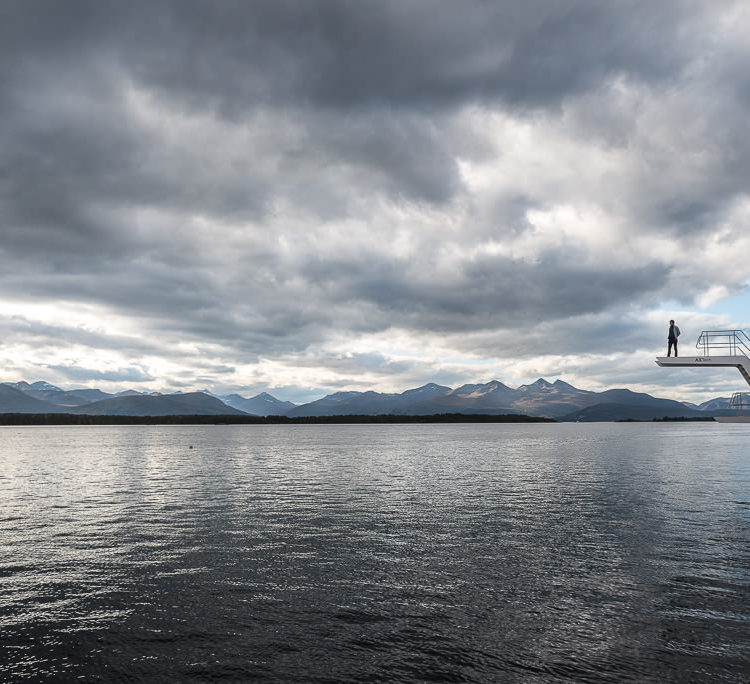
668,419
75,419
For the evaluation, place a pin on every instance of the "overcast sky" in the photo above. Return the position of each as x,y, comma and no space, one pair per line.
302,197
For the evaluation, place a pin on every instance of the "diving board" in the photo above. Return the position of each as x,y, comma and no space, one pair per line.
733,347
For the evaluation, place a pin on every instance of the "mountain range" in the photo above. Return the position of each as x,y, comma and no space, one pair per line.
558,400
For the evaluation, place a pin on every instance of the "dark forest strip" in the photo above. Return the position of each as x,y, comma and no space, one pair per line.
72,419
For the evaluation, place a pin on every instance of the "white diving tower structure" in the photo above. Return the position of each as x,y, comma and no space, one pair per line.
719,349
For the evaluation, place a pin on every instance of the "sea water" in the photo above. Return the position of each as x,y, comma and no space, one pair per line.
325,553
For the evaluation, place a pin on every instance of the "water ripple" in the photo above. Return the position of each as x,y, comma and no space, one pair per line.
461,553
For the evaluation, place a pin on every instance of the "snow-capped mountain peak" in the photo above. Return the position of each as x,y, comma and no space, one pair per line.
41,385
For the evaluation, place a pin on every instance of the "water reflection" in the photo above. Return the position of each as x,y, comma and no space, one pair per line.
304,553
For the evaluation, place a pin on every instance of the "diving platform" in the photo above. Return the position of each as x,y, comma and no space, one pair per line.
716,349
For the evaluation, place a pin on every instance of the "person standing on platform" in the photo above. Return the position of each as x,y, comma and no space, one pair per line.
674,333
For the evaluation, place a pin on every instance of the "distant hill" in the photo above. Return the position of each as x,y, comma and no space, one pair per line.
192,403
58,397
614,411
551,399
40,385
369,403
46,392
89,395
717,404
626,396
262,404
13,400
540,398
491,397
423,393
559,400
330,405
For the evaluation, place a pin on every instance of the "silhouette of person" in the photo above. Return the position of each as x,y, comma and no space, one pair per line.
672,335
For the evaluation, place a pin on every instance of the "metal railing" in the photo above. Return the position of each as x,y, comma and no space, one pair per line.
724,342
740,400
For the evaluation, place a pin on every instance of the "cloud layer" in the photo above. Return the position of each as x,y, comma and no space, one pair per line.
323,195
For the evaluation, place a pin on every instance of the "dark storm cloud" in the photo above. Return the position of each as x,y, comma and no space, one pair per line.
65,65
485,292
403,54
258,177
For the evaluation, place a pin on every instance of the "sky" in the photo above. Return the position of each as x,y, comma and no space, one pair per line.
305,197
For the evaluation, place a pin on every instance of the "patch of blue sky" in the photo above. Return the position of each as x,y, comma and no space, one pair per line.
736,307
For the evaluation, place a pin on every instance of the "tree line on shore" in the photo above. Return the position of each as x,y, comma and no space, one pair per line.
74,419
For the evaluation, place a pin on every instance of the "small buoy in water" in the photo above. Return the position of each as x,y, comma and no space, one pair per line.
191,446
